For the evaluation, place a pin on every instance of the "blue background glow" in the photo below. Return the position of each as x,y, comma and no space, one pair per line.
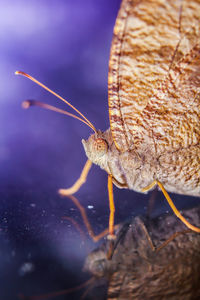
65,44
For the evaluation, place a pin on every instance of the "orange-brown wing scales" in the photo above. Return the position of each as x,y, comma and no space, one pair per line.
115,115
176,122
154,77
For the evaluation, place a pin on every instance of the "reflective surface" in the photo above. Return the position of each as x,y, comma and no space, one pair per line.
65,45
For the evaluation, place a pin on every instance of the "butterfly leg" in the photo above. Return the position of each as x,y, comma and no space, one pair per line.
173,207
69,192
80,181
112,208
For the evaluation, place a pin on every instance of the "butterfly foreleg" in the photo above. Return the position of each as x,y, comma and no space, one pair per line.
79,182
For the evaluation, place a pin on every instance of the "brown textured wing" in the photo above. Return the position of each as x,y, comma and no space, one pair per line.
154,75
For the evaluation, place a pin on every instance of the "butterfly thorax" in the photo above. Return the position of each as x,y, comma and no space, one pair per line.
128,169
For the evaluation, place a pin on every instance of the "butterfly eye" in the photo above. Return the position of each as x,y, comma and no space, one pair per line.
100,146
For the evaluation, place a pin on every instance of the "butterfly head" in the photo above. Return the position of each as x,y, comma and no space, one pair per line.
96,148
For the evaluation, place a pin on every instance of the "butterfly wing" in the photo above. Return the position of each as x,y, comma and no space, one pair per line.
154,76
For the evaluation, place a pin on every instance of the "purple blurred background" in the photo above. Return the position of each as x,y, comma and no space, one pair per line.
65,44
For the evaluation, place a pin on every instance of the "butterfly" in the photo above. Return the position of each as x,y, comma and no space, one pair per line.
154,103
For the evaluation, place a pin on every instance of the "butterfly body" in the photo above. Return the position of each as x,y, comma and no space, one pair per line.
178,170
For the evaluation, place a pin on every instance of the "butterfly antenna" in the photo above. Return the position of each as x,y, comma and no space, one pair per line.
27,104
